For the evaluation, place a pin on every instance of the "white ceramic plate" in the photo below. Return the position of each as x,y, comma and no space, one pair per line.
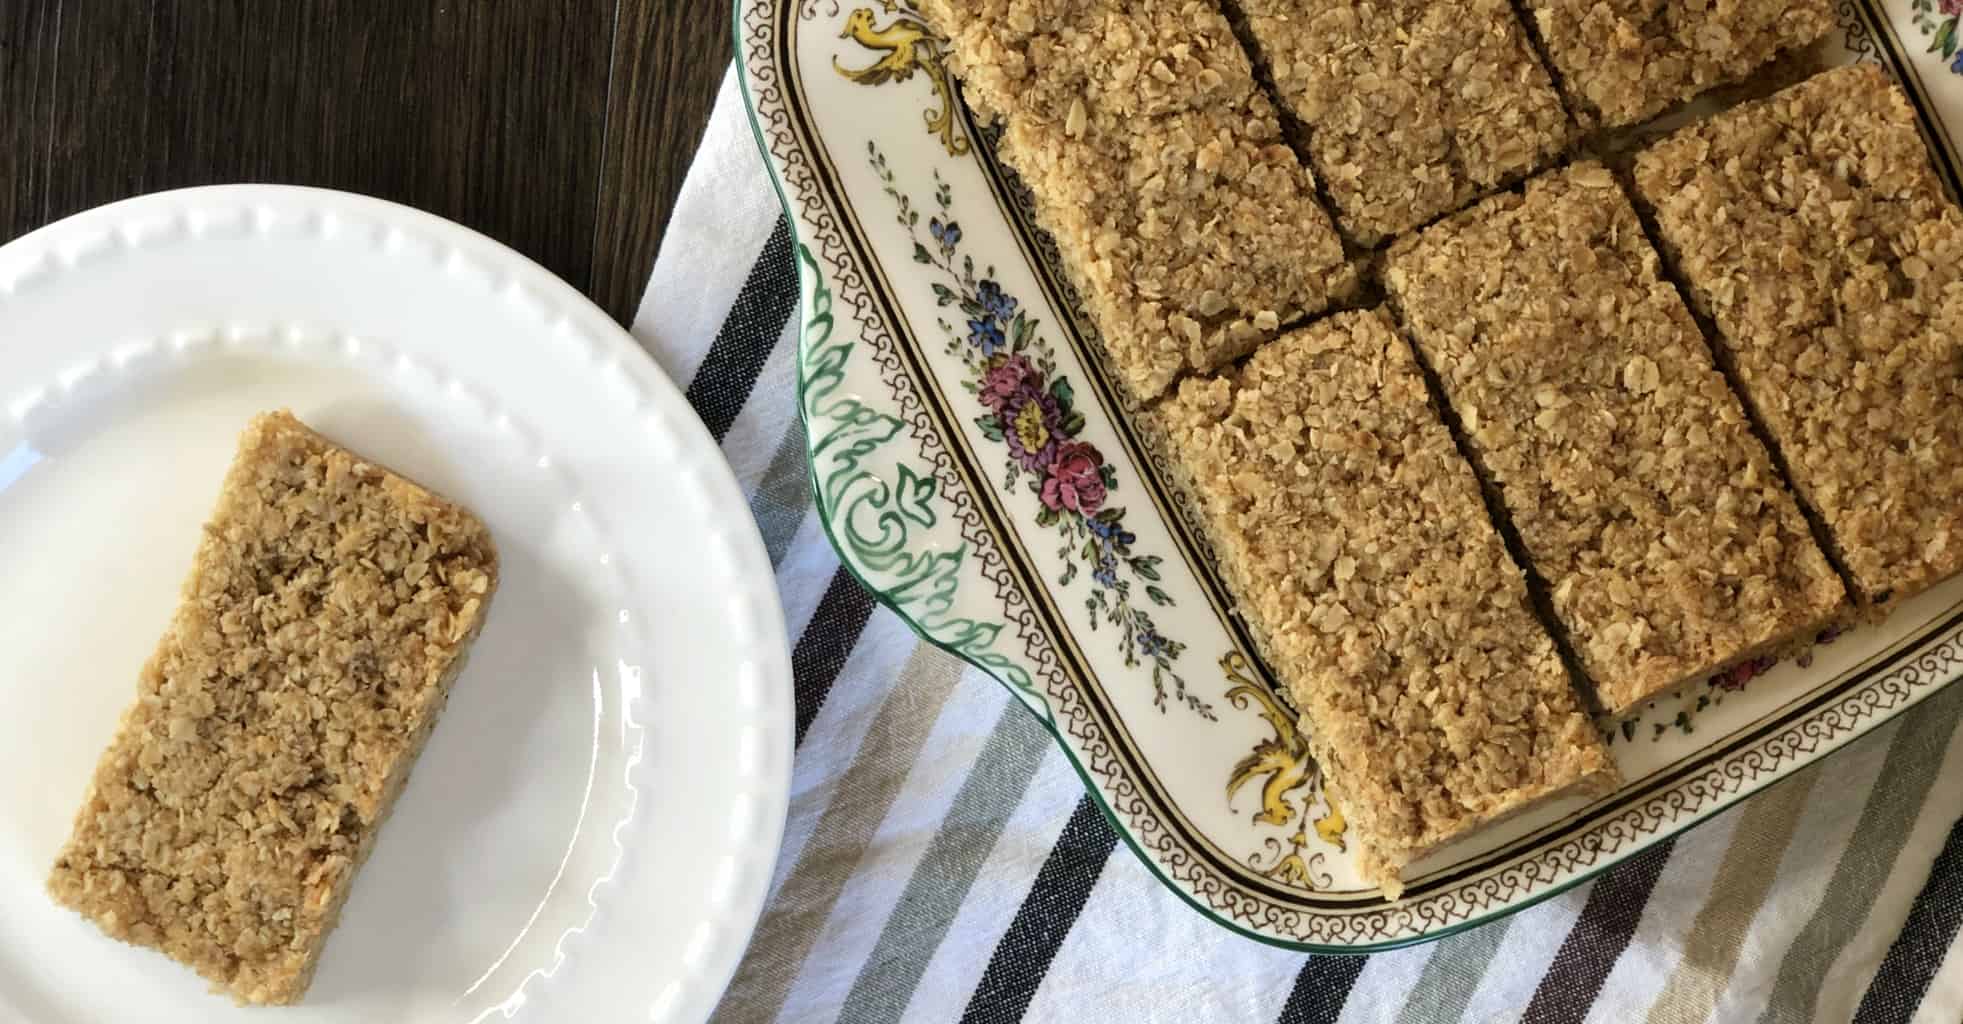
941,342
591,830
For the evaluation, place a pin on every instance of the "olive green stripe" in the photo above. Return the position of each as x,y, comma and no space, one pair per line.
799,908
1740,887
1865,864
1453,974
783,494
939,884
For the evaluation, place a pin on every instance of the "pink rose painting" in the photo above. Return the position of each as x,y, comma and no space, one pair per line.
1074,482
1011,376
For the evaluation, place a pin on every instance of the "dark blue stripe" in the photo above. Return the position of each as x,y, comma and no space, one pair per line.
1322,986
747,336
825,644
1022,956
1911,964
1607,923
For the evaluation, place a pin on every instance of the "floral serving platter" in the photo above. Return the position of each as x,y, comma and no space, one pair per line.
973,466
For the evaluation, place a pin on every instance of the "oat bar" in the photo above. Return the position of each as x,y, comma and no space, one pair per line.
1625,61
1354,537
1413,108
328,610
1188,226
1591,401
1812,229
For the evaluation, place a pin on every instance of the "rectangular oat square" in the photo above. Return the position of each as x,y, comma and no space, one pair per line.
328,610
1811,228
1413,108
1591,401
1189,227
1355,540
1621,62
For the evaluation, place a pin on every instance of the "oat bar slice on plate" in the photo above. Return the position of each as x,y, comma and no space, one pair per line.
1625,61
1356,543
1811,228
1590,400
1189,227
328,610
1413,108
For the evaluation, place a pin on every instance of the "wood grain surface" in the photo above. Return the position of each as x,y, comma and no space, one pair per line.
560,127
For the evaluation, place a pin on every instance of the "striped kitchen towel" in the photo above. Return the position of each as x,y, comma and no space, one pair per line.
942,862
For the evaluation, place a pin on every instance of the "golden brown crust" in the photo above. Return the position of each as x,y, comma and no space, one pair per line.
1811,228
328,608
1414,108
1625,61
1621,455
1189,227
1355,540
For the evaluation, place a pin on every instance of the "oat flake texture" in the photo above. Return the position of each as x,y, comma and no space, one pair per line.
1190,228
1623,459
1413,108
1625,61
328,610
1811,228
1354,538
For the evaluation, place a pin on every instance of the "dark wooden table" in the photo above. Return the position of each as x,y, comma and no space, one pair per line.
560,127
